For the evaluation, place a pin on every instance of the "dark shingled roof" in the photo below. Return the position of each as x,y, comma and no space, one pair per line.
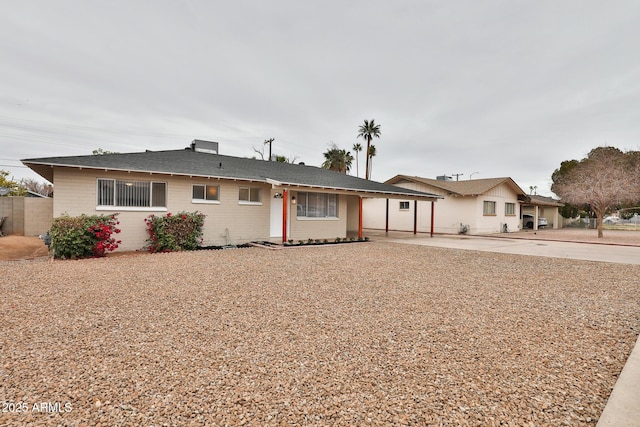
192,163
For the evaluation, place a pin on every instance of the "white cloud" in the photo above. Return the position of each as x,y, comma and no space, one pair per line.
499,88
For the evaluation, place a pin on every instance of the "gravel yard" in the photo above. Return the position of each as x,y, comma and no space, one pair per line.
358,334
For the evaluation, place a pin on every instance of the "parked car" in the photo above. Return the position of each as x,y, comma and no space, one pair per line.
527,221
611,220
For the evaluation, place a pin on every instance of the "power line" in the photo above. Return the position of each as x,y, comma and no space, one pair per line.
12,123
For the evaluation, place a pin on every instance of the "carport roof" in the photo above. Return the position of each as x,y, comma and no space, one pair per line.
188,162
543,201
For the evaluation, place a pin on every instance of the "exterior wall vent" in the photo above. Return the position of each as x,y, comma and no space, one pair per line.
201,146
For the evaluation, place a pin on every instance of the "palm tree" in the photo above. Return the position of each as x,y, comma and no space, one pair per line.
337,159
357,147
368,131
372,153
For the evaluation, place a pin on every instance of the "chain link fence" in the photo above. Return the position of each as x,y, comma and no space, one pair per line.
632,223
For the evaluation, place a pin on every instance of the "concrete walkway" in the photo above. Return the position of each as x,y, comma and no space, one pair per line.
623,406
544,248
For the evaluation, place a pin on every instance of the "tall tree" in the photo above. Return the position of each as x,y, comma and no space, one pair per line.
99,152
283,159
606,178
357,147
337,159
37,186
368,131
14,188
372,153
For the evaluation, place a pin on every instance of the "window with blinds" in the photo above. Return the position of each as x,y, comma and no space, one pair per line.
317,205
509,208
132,194
489,208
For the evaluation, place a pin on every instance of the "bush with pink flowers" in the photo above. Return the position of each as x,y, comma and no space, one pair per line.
84,236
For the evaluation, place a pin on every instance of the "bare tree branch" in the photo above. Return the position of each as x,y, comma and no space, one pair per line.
605,179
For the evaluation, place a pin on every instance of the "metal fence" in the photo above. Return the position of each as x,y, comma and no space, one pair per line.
592,223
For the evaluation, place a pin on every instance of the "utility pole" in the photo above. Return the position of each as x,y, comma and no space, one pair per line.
457,175
269,141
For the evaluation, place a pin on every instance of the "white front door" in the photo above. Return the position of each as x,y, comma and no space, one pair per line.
276,214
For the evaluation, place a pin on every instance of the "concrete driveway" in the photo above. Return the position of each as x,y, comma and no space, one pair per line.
543,248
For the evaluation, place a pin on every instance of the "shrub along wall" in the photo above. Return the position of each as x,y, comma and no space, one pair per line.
182,231
84,236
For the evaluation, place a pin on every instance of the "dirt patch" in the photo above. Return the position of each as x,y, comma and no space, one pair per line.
21,247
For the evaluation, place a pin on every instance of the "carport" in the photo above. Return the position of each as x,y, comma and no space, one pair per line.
541,206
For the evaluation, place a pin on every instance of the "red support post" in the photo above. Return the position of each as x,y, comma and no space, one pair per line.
285,206
415,217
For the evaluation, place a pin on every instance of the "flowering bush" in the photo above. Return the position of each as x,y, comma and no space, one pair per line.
182,231
84,236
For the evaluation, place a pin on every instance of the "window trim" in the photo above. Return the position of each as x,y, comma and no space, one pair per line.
205,201
131,208
250,202
484,205
115,207
505,209
400,208
319,218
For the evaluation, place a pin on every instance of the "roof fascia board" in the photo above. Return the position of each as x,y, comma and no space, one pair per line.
229,178
399,194
274,183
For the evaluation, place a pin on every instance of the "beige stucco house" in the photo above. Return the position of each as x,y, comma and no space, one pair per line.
479,206
243,199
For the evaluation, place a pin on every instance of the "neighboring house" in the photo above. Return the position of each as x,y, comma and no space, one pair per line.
34,194
543,207
479,206
243,199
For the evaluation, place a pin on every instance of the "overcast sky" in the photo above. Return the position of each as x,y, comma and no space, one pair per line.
480,88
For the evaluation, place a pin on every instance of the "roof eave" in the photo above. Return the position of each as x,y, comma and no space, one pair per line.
129,170
399,194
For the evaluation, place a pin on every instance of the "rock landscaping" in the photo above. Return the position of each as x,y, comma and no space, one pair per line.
370,334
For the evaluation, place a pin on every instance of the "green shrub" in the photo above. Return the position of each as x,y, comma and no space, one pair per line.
168,233
84,236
